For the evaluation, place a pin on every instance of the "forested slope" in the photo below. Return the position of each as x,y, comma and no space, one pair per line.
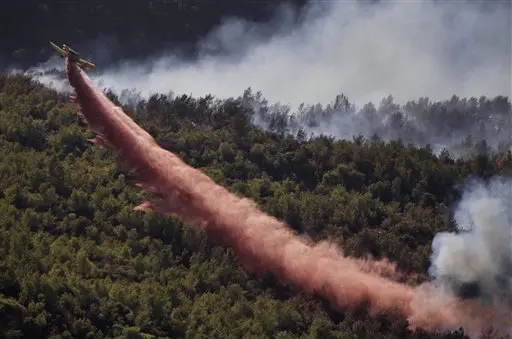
77,262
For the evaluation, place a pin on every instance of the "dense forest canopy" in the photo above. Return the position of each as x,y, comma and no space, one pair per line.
381,179
78,262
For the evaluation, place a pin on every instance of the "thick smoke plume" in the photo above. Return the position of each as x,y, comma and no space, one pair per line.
261,242
476,262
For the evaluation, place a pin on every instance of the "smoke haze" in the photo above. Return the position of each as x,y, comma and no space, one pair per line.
367,51
408,49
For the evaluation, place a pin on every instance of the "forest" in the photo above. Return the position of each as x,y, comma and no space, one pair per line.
77,261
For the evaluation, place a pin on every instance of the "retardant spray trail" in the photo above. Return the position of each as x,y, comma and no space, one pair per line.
261,242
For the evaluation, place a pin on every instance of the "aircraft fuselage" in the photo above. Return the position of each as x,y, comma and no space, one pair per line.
71,51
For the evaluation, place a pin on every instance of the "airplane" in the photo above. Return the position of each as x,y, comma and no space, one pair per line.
73,55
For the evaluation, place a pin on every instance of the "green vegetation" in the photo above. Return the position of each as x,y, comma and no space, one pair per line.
77,262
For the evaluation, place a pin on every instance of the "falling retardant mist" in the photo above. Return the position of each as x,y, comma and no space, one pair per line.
264,244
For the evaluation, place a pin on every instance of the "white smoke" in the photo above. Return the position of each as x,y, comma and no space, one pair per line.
409,49
480,253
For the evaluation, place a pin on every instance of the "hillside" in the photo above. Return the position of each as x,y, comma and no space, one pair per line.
78,262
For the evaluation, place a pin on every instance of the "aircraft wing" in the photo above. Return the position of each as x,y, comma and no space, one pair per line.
60,50
87,63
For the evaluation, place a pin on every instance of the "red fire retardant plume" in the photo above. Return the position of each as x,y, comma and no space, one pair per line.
261,242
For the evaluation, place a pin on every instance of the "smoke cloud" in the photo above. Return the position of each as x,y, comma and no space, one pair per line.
476,262
408,49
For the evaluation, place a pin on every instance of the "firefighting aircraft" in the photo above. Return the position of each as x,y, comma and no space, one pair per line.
66,51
